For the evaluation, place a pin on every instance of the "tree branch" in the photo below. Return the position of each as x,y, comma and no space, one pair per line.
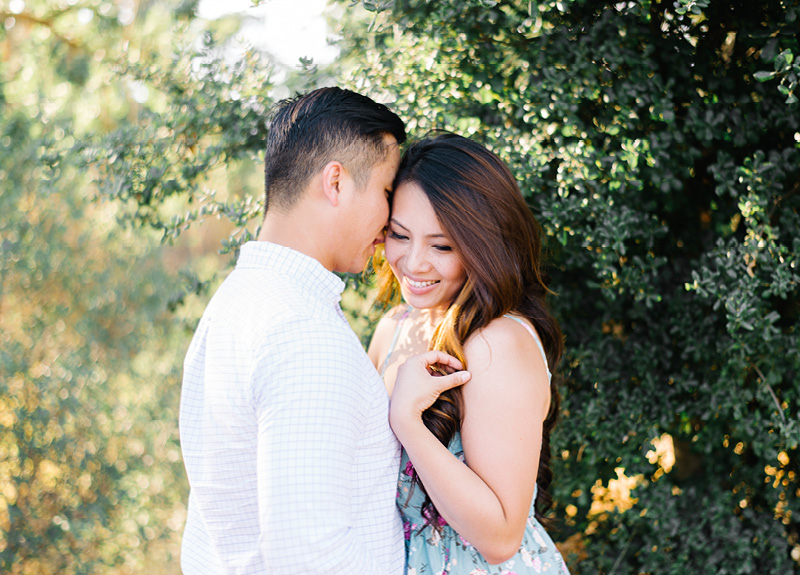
47,22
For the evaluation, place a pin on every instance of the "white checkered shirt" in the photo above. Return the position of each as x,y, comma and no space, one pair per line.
284,430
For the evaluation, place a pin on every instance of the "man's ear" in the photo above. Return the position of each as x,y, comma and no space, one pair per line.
332,175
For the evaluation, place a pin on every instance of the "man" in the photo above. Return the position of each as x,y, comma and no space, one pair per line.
283,420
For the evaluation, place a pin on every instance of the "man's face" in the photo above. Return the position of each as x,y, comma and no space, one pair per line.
367,212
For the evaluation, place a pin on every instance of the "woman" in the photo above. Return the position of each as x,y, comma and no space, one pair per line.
463,249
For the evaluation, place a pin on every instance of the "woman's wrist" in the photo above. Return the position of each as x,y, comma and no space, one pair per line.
406,425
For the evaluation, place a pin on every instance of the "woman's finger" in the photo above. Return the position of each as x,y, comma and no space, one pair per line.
433,357
446,382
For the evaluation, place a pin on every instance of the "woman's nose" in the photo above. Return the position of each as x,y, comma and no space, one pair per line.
416,259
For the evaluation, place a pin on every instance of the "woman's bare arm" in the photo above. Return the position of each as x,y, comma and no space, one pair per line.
506,401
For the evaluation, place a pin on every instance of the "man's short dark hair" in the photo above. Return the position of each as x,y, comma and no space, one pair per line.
328,124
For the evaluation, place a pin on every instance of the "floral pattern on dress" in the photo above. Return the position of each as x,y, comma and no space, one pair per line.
431,552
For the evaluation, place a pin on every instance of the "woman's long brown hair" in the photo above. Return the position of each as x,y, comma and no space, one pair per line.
481,209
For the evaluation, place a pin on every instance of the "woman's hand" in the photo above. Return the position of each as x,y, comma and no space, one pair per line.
421,379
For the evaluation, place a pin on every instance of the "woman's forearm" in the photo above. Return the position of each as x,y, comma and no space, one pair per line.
462,498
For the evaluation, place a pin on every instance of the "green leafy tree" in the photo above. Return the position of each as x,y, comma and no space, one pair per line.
659,144
90,474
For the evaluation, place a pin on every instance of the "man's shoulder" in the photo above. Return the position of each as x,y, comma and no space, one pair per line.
278,310
266,296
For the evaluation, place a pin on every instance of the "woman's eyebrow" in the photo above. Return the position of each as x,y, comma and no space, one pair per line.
395,222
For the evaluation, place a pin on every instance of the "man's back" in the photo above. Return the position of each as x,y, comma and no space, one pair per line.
284,430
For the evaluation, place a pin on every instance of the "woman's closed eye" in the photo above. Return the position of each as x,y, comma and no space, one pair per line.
442,248
395,236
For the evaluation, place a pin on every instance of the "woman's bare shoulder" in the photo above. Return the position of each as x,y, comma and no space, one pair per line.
503,340
507,369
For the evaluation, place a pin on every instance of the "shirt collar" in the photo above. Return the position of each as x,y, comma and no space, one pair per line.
311,274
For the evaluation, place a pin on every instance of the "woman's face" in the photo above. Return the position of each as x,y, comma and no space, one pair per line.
422,257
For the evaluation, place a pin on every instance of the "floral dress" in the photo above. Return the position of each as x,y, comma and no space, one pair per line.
431,553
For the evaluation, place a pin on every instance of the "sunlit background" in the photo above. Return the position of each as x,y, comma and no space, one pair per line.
131,142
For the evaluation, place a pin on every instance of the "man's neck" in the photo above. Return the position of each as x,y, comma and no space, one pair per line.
297,230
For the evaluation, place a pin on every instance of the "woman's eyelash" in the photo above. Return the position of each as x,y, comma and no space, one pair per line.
395,236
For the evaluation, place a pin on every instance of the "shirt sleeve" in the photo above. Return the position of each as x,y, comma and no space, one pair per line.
307,394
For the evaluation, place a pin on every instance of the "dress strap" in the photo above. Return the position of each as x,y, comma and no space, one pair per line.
394,339
535,337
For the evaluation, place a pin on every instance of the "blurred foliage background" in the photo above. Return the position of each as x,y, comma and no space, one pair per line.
657,142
